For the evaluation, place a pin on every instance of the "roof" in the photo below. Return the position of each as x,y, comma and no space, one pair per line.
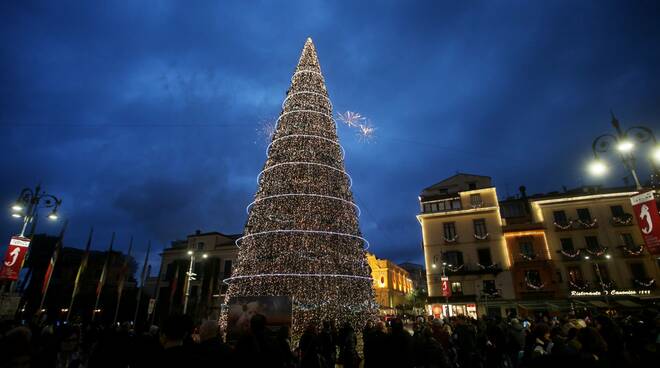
580,191
444,181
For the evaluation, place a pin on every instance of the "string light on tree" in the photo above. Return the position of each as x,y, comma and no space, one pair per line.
302,238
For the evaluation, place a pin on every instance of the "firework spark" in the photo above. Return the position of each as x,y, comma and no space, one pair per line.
266,129
366,131
351,119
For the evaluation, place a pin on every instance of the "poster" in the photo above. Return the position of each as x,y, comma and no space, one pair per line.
648,219
13,261
276,309
446,288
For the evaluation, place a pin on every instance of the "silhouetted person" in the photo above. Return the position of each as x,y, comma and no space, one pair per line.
172,336
211,350
257,348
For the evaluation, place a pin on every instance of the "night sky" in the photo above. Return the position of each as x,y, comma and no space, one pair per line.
143,116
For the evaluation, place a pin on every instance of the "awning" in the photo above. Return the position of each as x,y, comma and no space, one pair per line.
598,303
628,303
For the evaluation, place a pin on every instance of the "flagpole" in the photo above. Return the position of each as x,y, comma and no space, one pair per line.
142,279
81,269
122,278
99,287
157,296
51,266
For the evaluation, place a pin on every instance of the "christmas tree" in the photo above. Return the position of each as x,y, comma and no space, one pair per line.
302,238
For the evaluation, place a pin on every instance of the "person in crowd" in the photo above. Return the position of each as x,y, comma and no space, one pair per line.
211,350
399,346
375,346
16,348
347,341
327,344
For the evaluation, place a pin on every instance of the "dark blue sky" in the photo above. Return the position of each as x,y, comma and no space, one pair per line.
143,116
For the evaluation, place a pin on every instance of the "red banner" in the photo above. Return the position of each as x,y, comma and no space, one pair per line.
646,212
14,258
446,287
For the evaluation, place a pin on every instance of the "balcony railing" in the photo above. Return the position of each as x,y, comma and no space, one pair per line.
645,283
570,254
475,269
631,251
577,224
530,257
595,252
624,220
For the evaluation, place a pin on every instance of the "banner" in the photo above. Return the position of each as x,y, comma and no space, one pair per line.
276,309
646,212
446,287
18,247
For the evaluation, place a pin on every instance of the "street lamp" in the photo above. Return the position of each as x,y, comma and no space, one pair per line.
624,142
191,277
28,202
600,278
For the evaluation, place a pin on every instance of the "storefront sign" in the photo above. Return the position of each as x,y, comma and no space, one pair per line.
18,247
610,292
648,219
446,287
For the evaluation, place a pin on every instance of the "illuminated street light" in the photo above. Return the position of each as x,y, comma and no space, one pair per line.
624,142
29,201
190,278
597,168
625,146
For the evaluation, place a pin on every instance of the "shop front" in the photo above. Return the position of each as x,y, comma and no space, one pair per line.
439,310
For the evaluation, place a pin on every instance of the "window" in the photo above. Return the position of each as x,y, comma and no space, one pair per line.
450,230
567,245
637,270
484,257
489,286
480,227
453,258
200,246
574,274
455,204
472,185
604,272
560,217
617,211
592,242
427,207
475,200
533,277
456,288
169,273
628,240
227,272
584,215
434,207
526,246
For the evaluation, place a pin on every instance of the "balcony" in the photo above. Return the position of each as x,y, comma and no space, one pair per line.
631,251
594,252
529,257
570,254
475,269
450,241
578,224
624,220
645,283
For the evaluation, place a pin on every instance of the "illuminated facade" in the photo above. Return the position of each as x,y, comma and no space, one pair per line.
391,283
591,231
463,239
543,253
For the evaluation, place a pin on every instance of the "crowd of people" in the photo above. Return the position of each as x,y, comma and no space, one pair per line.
455,342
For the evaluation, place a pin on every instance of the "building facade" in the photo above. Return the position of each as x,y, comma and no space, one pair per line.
463,241
544,253
391,284
207,289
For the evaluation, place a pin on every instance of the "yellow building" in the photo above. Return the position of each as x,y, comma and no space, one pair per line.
463,240
391,283
592,231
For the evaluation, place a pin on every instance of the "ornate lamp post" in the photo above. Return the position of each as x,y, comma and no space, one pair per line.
190,278
624,142
28,202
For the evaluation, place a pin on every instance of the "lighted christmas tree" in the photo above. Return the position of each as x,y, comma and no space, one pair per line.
302,238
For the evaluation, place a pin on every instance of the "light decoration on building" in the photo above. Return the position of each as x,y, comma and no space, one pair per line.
622,220
645,283
597,252
481,237
584,285
490,267
533,286
633,252
588,225
450,240
570,255
566,226
302,238
451,268
527,257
